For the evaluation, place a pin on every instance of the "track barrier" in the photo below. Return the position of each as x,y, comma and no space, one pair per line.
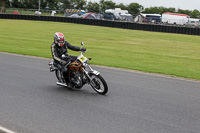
106,23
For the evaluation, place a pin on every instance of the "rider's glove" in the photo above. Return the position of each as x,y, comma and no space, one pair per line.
83,49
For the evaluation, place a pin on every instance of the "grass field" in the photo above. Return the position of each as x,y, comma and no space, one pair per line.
170,54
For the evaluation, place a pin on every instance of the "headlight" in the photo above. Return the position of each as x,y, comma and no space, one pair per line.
85,64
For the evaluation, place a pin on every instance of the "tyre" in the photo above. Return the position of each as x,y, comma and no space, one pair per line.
59,76
99,84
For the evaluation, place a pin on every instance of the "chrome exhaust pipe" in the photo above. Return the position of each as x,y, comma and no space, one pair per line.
61,84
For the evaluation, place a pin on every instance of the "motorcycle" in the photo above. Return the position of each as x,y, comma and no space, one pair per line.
78,74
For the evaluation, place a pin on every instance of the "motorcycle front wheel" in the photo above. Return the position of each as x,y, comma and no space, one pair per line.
99,84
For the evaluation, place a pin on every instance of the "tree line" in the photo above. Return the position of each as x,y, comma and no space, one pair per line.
133,8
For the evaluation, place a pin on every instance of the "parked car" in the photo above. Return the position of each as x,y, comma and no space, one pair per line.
109,16
99,16
89,16
74,16
127,17
192,22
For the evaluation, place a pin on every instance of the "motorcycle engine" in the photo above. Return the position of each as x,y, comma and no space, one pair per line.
75,69
76,79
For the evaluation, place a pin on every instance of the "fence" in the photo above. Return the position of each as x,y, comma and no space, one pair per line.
124,25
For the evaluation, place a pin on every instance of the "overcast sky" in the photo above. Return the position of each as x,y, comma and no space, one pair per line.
182,4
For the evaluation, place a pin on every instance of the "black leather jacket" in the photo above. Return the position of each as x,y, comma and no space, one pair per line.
58,51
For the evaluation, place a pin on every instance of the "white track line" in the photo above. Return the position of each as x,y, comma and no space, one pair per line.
4,130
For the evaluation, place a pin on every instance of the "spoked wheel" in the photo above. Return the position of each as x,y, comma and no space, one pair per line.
59,76
99,84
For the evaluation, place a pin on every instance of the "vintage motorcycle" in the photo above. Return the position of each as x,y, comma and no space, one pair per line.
80,73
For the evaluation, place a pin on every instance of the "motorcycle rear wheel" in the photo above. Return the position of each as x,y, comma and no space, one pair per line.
59,76
99,84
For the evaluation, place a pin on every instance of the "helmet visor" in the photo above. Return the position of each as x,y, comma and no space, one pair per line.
61,41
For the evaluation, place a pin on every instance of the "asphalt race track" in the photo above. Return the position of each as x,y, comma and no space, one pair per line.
31,102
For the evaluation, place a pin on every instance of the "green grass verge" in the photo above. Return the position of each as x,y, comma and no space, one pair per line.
170,54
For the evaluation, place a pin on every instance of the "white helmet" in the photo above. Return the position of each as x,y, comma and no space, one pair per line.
59,39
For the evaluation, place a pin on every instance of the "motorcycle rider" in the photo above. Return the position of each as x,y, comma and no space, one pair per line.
58,48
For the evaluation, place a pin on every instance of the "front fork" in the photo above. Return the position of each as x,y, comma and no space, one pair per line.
92,71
